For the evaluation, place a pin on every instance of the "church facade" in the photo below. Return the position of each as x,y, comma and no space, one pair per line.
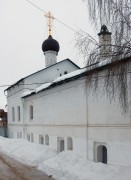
53,107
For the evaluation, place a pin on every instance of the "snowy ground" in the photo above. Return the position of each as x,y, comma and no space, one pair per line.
65,166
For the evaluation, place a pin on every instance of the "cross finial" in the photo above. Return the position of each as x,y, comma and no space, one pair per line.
49,18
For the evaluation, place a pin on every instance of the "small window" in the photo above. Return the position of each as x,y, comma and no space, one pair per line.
60,144
41,139
28,137
69,143
31,112
32,137
20,134
102,154
65,72
18,112
13,114
46,139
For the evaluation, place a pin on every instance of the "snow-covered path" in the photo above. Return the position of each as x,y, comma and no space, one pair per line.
11,169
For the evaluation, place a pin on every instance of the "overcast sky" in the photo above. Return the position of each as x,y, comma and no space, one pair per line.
23,28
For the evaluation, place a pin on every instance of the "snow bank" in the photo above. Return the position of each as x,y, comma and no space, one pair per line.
26,152
69,166
65,166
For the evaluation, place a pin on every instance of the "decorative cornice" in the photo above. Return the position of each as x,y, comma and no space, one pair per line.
77,125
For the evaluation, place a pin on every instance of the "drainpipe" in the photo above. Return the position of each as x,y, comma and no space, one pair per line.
87,121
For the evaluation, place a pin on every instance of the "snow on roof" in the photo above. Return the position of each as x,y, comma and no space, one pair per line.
43,86
58,79
42,70
104,62
68,76
27,93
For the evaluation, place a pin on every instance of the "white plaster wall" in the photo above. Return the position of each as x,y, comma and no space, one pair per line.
78,135
50,73
100,111
62,105
50,58
120,152
43,76
107,124
60,112
103,111
15,126
63,111
13,131
118,143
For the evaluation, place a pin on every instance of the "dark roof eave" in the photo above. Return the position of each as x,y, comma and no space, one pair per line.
14,84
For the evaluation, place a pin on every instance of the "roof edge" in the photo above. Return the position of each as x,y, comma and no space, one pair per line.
96,68
40,71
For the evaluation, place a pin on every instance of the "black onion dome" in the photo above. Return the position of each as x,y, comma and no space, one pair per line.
104,30
50,44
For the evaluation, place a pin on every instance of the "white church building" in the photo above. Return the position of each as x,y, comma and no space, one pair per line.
53,107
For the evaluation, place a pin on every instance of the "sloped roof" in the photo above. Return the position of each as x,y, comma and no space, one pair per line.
59,80
40,71
75,75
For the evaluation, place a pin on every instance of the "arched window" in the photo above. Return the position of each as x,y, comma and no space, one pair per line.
46,139
69,143
60,144
102,154
13,114
31,112
20,134
41,139
18,113
28,137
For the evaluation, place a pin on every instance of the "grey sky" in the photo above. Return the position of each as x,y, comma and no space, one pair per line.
23,28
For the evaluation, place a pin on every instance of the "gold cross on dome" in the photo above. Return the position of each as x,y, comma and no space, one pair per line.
49,19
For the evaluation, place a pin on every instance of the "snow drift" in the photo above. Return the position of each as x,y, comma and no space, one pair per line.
65,166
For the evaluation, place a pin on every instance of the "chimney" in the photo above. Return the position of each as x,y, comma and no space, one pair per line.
104,41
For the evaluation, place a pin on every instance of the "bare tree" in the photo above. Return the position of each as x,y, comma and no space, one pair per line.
116,14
